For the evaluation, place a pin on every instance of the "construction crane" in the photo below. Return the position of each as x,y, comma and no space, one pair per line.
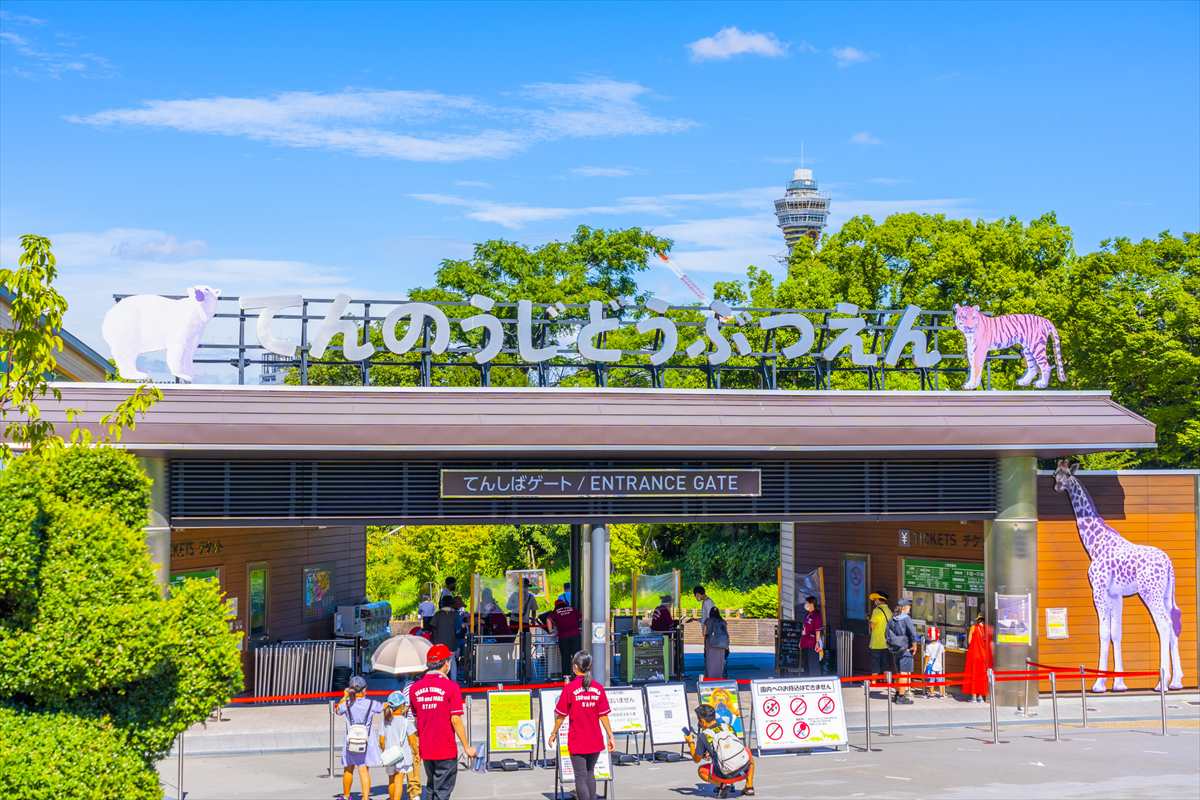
683,277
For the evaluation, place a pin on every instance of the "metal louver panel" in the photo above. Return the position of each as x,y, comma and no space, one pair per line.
214,492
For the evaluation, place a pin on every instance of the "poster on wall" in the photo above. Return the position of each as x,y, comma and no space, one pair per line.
1014,619
1056,623
257,586
318,591
723,697
854,587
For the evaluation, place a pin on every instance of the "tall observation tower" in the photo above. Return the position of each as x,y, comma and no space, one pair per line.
802,211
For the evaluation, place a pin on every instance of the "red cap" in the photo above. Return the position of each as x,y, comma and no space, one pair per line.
439,652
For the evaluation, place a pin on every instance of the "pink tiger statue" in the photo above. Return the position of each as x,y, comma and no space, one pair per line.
984,333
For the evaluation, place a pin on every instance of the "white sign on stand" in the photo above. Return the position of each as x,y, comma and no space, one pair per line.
628,713
666,705
799,713
564,769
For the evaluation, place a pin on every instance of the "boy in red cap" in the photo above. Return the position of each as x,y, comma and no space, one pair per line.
437,704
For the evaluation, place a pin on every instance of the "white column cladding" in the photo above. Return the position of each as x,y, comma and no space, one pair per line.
787,570
158,527
1010,566
598,635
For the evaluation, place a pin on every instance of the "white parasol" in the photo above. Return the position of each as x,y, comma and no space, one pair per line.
401,655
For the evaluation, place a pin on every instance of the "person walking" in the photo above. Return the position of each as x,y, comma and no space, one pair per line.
568,627
585,705
437,706
716,645
399,743
360,750
902,642
979,660
812,641
881,659
723,758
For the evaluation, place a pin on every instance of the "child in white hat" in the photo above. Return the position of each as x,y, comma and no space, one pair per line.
398,741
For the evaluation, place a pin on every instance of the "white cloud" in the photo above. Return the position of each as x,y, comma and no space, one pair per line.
473,184
20,19
34,59
847,56
383,124
863,137
732,41
516,215
842,210
602,172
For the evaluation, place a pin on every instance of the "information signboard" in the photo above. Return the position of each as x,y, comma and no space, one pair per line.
548,699
798,713
628,713
511,728
723,697
666,706
943,576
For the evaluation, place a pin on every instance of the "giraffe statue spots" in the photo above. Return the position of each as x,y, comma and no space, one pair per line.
1121,568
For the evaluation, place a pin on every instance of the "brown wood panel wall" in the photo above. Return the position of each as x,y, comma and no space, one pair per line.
1156,510
286,552
824,544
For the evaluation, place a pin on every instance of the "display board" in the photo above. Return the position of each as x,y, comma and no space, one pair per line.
628,710
789,645
723,697
943,576
209,574
1014,619
548,699
511,728
798,713
666,707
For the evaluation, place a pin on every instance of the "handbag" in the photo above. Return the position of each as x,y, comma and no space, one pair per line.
392,756
356,734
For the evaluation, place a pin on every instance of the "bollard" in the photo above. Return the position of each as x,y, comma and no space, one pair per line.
1022,709
331,738
867,710
1083,693
179,763
1162,697
991,676
887,676
1053,701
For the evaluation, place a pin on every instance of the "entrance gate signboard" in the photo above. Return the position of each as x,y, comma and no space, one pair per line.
666,705
469,484
798,714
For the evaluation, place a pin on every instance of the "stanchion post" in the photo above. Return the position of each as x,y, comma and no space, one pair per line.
1053,700
1162,697
991,677
179,764
1083,693
887,676
331,738
867,710
1023,708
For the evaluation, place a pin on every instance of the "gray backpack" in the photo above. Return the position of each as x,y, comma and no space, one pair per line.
898,638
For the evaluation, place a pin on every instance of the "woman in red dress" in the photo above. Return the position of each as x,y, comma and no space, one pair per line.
979,660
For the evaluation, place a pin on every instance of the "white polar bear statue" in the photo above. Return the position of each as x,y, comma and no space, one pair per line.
145,323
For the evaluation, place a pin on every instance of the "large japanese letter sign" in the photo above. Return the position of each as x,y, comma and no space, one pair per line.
799,713
146,323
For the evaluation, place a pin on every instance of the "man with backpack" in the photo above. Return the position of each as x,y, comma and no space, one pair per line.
723,758
902,642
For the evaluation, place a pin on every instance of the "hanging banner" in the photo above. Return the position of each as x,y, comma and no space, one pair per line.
1056,623
723,697
666,705
628,710
1014,619
548,699
511,728
799,713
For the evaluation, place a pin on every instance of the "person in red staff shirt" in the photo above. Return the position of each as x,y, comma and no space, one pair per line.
585,704
437,705
567,625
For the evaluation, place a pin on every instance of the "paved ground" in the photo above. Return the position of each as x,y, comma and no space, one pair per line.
949,763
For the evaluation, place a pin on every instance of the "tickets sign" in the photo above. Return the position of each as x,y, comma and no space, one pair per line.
628,710
666,704
798,713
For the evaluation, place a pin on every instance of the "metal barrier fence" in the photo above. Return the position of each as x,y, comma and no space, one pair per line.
293,668
845,653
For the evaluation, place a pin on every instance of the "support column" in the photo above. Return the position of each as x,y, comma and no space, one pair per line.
576,566
1010,567
158,527
584,591
598,633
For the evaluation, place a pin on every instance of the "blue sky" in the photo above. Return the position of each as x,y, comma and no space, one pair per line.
312,147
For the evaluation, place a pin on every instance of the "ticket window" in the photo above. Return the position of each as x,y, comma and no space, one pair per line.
948,594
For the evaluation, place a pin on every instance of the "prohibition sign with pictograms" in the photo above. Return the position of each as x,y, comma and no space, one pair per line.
798,706
825,704
771,707
801,729
774,731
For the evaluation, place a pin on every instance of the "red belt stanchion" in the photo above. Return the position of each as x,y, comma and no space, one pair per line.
991,677
867,710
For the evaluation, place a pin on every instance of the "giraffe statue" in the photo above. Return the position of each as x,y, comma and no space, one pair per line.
1121,568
